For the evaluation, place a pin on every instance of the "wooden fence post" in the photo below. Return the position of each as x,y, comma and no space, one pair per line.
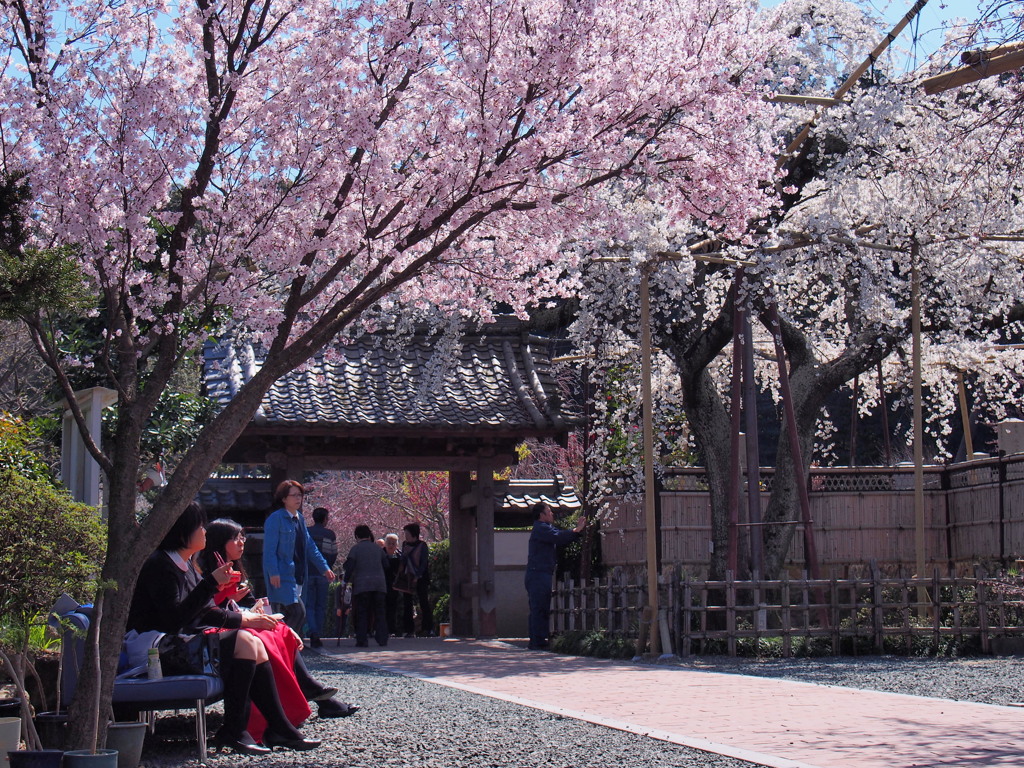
981,594
685,642
787,629
730,614
833,609
878,610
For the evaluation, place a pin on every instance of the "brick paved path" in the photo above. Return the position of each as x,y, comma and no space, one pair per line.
767,721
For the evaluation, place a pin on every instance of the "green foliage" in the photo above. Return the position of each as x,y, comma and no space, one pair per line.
442,610
177,420
570,557
596,642
49,544
32,280
440,579
19,448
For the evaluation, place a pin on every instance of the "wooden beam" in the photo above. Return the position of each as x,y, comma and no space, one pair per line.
971,74
818,101
404,463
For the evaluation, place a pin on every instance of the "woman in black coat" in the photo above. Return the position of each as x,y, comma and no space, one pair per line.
172,596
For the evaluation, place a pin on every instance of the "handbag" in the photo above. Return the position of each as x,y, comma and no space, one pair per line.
405,580
190,654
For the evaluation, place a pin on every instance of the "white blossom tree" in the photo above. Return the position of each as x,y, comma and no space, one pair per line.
890,177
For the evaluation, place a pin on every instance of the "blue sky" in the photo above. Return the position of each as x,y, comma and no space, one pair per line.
923,36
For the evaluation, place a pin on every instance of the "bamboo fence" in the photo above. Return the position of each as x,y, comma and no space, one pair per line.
974,513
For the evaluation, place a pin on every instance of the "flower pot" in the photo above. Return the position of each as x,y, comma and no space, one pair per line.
36,758
10,735
10,707
86,758
127,739
52,729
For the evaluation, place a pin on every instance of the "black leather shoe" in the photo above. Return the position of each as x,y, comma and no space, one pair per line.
243,745
335,708
300,744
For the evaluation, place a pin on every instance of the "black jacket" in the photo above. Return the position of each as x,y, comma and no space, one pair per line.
168,599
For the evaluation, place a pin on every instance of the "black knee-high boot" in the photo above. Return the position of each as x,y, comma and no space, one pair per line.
280,732
233,733
326,705
311,688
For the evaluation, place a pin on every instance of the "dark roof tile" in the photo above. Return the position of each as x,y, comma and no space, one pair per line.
501,378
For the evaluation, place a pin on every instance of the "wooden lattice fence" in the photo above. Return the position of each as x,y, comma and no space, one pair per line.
786,616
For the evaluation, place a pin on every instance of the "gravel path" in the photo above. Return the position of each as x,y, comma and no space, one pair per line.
409,722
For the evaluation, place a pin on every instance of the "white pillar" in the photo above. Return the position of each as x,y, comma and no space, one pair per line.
78,470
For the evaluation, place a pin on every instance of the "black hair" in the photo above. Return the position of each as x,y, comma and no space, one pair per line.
191,519
413,528
363,532
539,509
218,534
320,515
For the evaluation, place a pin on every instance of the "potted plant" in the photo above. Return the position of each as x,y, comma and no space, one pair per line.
49,545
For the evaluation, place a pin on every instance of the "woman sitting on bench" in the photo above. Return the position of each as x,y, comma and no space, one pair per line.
172,596
225,542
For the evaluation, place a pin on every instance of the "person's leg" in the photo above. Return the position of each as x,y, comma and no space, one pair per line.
408,622
311,688
391,611
426,615
294,614
544,618
538,590
315,599
361,606
280,731
379,601
237,675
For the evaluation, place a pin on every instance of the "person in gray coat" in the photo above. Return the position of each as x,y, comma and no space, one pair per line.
365,569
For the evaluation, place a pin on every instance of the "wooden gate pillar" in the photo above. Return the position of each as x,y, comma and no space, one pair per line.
485,549
461,554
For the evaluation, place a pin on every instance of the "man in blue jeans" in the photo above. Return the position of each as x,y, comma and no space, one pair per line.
545,539
315,594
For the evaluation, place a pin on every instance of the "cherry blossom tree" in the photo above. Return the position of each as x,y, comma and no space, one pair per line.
285,173
385,501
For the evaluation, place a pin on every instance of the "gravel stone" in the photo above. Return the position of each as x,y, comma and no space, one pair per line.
409,722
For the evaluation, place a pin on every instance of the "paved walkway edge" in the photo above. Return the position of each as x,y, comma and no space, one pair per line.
674,738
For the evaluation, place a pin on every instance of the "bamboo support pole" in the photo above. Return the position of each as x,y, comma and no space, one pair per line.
650,518
852,79
915,330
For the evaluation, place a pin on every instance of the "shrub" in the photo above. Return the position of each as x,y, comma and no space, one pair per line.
49,544
19,441
597,642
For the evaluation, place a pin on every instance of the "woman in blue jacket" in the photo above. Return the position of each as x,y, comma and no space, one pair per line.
288,554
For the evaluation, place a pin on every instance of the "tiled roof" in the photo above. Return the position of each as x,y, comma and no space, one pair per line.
226,496
523,494
499,378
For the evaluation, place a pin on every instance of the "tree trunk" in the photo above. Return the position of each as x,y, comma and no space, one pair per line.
711,426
